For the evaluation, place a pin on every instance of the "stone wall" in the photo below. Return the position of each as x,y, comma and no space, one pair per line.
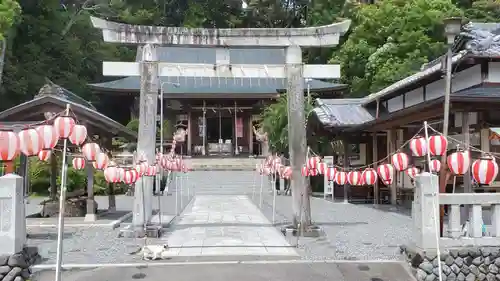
17,267
467,263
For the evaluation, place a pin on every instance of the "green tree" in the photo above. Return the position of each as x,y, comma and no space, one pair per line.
391,40
9,10
483,11
39,50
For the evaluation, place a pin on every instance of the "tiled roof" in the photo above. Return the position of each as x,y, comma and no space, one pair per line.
192,85
479,91
342,112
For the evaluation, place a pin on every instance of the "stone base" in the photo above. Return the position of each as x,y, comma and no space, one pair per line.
17,267
311,231
462,264
90,217
74,207
152,231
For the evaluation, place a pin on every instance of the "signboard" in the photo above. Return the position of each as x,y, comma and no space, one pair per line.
328,185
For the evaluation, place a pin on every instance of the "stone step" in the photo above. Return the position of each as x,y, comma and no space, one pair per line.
227,164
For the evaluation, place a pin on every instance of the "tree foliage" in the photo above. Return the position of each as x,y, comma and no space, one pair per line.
274,121
483,11
9,10
390,40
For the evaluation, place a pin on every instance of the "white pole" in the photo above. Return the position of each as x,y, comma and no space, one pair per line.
261,187
254,183
158,178
176,196
167,182
159,201
203,152
187,185
428,152
435,208
62,199
274,197
236,150
182,187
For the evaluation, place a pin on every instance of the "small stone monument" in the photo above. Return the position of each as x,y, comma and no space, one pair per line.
12,215
426,211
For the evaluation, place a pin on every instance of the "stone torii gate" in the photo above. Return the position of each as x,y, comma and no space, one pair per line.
149,69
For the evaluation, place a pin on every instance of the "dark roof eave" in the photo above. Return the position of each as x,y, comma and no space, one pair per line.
101,87
89,113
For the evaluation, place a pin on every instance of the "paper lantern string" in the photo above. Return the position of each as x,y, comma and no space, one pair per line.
376,162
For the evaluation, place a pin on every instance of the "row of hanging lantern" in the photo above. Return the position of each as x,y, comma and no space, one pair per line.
272,165
42,139
484,170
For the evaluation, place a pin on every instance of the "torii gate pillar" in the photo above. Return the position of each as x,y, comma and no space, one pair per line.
296,133
148,101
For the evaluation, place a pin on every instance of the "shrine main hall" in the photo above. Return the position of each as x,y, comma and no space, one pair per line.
230,107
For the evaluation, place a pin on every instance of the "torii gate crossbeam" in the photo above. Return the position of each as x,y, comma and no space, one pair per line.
149,69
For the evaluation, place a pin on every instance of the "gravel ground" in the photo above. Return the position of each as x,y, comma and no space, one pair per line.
352,232
93,244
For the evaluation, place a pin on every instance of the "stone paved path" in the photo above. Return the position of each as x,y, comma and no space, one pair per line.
225,225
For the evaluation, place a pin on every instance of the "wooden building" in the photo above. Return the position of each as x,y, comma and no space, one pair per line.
377,125
229,107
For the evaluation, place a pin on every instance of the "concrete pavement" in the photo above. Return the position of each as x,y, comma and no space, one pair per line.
229,225
282,271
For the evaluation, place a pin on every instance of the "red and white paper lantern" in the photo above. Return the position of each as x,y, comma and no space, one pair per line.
173,166
90,151
78,135
44,155
438,145
459,162
150,171
9,145
313,162
111,174
435,166
165,163
287,172
130,176
369,176
78,163
305,171
354,178
386,173
313,172
400,161
322,167
412,172
48,136
142,168
276,163
101,161
121,174
64,126
418,146
340,177
330,173
30,142
484,170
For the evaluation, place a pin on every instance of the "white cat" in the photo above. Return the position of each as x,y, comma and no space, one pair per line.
152,252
